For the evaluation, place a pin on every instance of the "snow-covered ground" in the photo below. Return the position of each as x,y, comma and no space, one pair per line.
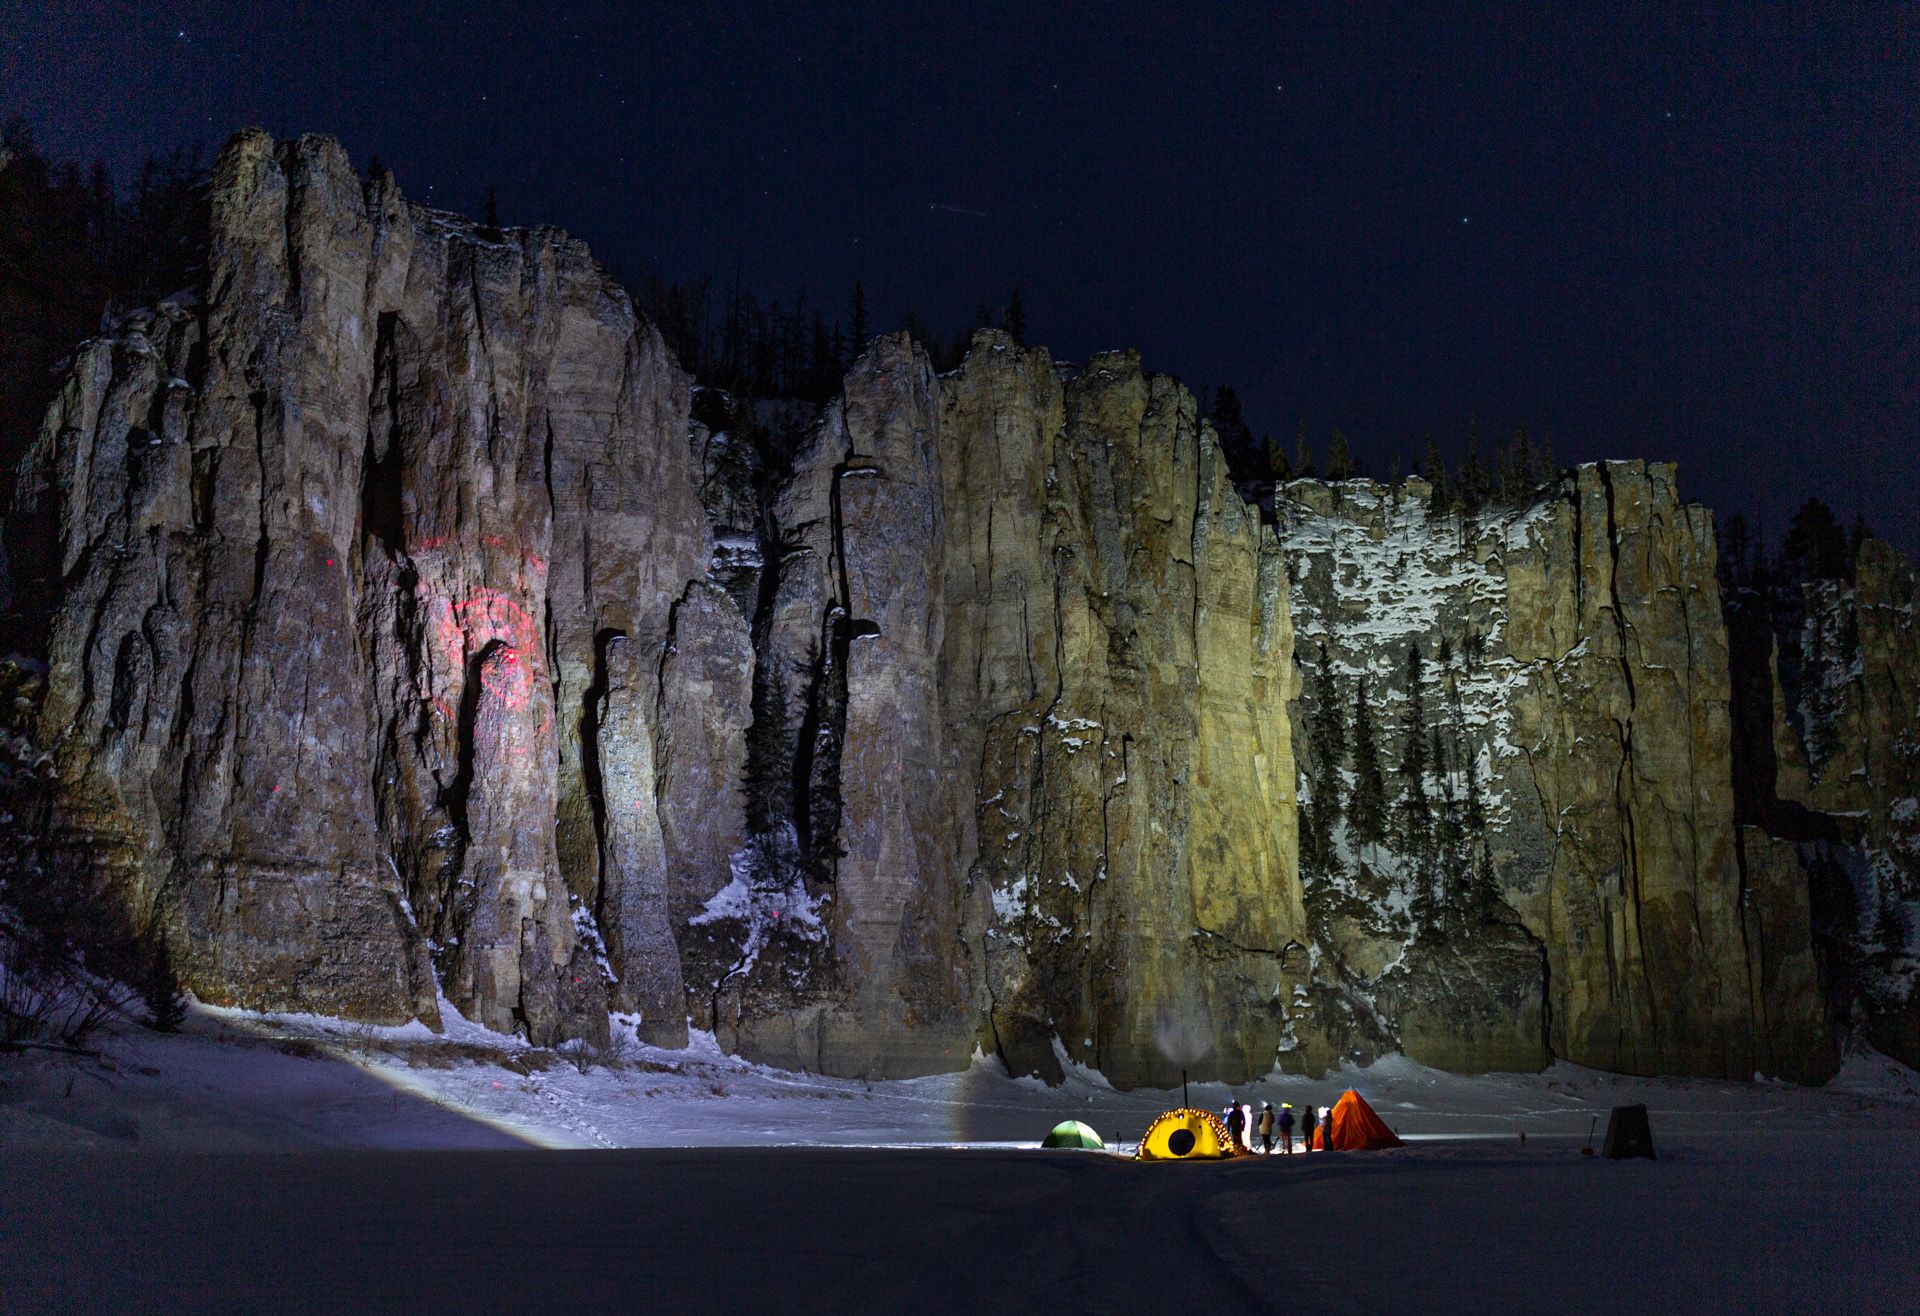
234,1079
420,1186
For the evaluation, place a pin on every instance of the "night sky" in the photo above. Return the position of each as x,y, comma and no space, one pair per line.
1685,237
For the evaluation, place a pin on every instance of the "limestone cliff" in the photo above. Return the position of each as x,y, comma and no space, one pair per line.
1556,871
356,551
421,636
1829,763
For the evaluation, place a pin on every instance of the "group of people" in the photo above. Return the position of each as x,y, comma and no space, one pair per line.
1269,1125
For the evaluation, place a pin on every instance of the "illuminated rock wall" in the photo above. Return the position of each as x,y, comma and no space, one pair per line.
1570,882
348,550
410,643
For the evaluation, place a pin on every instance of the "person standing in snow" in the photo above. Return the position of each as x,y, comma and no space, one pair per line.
1286,1128
1266,1128
1236,1124
1307,1122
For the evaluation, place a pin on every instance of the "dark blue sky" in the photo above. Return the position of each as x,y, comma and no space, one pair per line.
1686,236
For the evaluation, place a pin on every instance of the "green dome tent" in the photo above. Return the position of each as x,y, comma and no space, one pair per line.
1072,1133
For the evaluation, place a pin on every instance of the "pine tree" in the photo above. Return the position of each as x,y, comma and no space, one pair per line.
1278,467
1234,434
493,210
1368,808
1435,471
1339,459
1330,736
1472,489
1302,453
1446,832
1815,547
1327,735
1859,535
160,985
857,319
823,362
768,777
1735,546
1520,470
1415,761
1016,318
1474,874
1889,929
1762,566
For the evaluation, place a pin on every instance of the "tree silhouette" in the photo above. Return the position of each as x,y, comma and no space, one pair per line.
1815,547
1339,458
1368,807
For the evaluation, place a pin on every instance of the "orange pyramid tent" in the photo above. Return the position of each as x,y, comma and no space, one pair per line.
1352,1126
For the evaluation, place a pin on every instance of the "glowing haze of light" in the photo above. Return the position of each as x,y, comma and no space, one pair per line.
1183,1032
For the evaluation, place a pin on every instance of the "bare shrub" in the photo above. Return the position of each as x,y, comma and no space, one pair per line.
443,1053
587,1056
67,947
48,997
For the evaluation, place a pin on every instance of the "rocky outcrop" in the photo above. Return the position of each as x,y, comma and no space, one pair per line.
1829,761
1051,649
347,547
1573,806
416,644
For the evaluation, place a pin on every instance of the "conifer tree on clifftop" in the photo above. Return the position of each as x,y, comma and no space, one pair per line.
1302,453
857,328
1815,547
1435,471
1339,458
1236,439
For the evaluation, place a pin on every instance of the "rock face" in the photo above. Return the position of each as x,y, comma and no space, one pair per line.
1829,763
416,644
1064,782
1556,872
348,546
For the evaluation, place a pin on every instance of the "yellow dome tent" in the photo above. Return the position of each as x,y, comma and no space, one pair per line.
1187,1135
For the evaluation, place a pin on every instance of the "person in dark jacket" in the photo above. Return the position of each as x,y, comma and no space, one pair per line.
1286,1128
1266,1128
1237,1124
1307,1122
